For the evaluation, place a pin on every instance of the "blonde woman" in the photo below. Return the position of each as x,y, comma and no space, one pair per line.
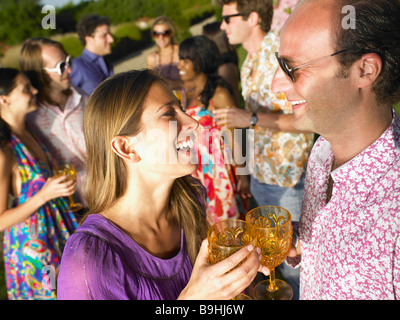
165,59
142,236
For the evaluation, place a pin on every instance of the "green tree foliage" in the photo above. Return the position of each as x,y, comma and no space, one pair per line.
20,19
124,10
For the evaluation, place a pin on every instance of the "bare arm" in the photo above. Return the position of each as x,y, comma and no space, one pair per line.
240,118
53,188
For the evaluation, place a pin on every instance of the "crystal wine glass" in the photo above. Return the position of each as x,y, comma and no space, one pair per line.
69,170
227,237
274,235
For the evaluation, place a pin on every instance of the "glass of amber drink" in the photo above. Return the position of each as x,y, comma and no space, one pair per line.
274,237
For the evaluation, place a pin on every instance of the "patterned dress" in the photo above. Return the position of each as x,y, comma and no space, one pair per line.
33,248
215,171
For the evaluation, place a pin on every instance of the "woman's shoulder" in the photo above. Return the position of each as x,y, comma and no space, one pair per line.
222,98
89,264
92,244
97,228
6,152
151,59
7,157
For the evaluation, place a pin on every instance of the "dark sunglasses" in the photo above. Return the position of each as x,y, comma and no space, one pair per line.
227,18
61,67
165,33
289,71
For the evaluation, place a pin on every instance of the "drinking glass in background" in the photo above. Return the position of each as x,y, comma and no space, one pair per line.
69,170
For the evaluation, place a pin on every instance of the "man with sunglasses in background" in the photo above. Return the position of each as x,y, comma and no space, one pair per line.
90,69
281,152
58,122
343,82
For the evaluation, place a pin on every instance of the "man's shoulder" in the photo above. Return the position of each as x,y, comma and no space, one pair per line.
81,61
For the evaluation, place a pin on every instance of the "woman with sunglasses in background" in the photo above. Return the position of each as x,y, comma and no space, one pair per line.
165,59
37,221
58,121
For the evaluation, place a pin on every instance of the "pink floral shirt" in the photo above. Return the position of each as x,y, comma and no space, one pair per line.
351,245
62,132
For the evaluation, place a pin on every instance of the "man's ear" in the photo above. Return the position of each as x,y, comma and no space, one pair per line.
3,99
254,18
369,69
88,40
122,146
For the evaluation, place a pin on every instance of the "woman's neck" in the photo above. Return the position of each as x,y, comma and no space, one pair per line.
169,49
196,87
144,214
16,124
143,206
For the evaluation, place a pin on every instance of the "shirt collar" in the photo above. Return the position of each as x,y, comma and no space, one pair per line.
90,56
73,101
266,45
374,160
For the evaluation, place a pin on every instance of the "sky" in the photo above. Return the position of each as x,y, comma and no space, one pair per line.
58,3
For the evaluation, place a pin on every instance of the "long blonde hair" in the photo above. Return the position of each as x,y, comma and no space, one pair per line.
116,108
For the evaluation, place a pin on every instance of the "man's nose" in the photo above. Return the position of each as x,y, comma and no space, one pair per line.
280,82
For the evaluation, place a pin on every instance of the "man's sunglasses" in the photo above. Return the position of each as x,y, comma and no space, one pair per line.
289,71
227,18
165,33
61,67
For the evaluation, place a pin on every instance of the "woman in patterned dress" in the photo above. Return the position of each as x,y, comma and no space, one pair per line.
37,221
198,65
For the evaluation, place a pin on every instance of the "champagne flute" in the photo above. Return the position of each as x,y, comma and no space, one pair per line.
274,235
227,237
69,170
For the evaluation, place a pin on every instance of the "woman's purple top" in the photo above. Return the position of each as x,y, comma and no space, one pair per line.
101,262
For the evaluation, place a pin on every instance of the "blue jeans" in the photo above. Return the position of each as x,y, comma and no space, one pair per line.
290,199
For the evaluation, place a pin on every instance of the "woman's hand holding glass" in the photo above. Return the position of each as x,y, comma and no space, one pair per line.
225,279
227,263
56,187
